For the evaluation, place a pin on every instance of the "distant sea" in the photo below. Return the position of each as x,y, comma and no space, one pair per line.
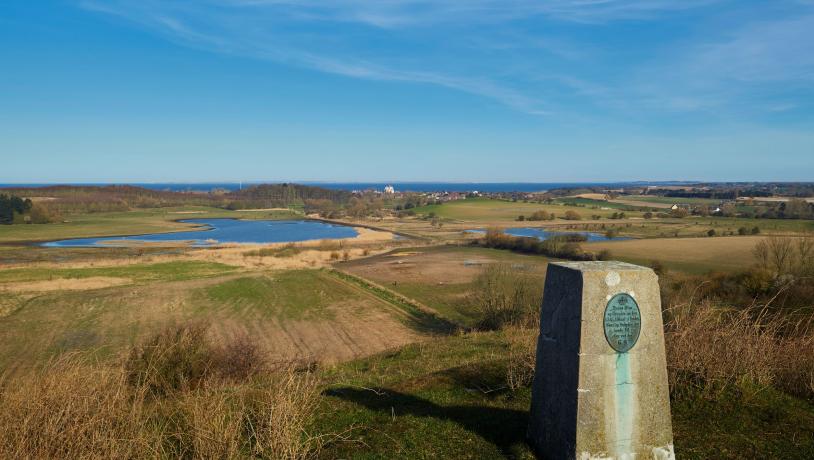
490,187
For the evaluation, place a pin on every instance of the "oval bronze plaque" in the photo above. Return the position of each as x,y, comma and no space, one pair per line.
623,322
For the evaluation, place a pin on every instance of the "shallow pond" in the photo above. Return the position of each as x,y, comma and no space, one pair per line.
543,234
218,231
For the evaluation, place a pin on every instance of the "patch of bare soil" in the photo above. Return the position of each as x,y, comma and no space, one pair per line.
65,284
422,267
353,332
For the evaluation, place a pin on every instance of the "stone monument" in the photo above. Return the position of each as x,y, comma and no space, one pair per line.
600,387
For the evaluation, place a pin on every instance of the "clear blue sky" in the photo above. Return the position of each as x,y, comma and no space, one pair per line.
458,90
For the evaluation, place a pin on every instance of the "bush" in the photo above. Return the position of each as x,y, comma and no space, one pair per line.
72,408
562,246
572,215
504,296
540,215
175,359
712,348
679,213
522,353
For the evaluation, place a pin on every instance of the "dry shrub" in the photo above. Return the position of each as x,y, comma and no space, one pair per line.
72,408
522,354
280,418
269,421
713,347
239,358
505,295
174,359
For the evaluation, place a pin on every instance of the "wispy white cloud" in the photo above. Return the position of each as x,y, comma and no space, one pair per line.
487,48
400,13
746,65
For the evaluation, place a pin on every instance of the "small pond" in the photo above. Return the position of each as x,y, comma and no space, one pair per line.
542,234
218,231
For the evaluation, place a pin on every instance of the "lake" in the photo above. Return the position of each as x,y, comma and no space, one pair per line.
543,234
218,231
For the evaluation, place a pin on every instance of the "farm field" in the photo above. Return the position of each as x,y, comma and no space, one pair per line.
666,200
486,210
301,314
695,255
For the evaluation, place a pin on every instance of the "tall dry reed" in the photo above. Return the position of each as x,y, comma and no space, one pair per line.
73,408
712,347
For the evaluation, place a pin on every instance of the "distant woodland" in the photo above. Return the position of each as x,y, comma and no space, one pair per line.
48,204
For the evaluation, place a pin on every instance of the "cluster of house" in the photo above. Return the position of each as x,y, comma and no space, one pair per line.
450,196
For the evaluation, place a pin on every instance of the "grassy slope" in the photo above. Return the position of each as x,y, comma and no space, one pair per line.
445,399
166,271
36,326
449,299
125,223
295,294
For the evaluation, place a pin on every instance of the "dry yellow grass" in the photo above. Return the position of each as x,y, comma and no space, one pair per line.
65,284
75,409
692,254
716,346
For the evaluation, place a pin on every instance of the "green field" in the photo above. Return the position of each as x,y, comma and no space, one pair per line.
595,204
294,294
670,200
166,271
485,210
299,313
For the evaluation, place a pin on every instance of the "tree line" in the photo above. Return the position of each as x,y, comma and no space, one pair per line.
11,205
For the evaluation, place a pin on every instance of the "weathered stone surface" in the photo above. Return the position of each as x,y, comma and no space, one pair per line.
588,400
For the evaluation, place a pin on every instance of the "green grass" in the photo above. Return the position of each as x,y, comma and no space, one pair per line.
670,200
166,271
296,294
427,401
448,299
419,318
592,204
746,421
447,399
482,209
